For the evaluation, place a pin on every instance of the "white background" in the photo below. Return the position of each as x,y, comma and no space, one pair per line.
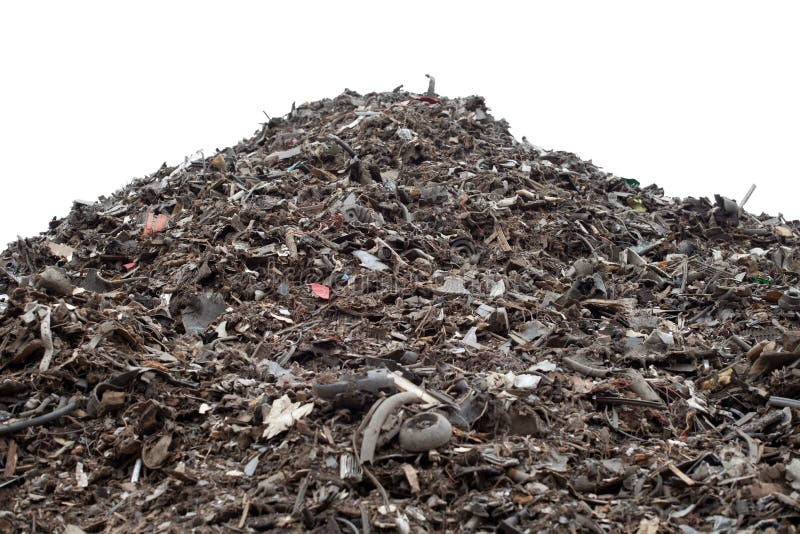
699,97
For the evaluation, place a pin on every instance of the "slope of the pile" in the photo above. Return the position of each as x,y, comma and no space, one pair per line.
608,359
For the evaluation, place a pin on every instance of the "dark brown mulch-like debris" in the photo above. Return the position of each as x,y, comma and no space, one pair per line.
384,313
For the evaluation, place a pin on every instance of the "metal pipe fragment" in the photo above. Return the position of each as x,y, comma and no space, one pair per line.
783,402
747,197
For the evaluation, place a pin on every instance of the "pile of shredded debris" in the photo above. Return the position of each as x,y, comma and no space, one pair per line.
383,312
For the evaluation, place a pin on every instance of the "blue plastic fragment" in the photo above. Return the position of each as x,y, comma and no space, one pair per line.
295,165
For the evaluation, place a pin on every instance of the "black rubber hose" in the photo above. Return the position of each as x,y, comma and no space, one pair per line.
38,421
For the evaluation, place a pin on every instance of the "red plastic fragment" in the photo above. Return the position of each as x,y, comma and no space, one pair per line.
320,290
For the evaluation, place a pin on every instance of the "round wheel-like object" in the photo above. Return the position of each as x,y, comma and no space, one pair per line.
790,300
425,432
